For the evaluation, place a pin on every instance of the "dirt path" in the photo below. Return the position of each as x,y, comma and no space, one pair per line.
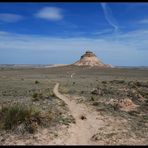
108,130
81,132
78,133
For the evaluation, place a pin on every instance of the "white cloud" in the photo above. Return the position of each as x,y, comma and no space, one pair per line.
144,21
131,49
109,16
3,33
102,32
8,17
50,13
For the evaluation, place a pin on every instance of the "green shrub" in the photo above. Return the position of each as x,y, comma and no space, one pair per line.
104,82
92,98
35,95
66,120
37,82
82,92
17,114
95,103
51,94
117,81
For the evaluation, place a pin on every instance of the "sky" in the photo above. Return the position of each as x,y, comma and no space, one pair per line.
60,32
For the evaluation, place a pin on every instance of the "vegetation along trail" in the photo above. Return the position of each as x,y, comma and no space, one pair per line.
87,121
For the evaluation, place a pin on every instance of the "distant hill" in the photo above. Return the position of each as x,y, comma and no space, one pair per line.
90,59
24,65
132,67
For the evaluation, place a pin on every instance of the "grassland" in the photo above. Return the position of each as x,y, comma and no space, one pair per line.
104,89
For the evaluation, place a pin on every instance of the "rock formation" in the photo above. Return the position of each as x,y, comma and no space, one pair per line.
90,59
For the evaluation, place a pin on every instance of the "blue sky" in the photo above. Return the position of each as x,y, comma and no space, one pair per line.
59,33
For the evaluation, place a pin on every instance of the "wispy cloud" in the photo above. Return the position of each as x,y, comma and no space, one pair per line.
144,21
109,16
9,17
103,32
50,13
130,50
4,33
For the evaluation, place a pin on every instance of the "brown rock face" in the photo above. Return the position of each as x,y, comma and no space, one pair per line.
90,59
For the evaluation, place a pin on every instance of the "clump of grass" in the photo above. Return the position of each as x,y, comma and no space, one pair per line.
37,96
37,82
52,94
15,115
97,91
96,103
103,91
92,98
117,81
104,82
132,84
143,93
66,120
42,95
139,84
82,92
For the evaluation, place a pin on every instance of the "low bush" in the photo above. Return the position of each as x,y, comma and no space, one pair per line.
37,82
13,116
37,96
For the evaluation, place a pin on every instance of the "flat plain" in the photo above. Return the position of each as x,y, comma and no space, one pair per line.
114,101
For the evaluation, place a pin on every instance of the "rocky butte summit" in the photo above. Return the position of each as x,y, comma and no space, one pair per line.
90,59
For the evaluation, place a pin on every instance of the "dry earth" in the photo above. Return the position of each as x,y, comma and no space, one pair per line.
91,127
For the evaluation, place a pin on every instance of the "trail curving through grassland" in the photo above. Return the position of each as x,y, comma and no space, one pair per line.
81,132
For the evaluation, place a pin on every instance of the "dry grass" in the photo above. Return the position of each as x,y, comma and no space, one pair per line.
14,115
109,85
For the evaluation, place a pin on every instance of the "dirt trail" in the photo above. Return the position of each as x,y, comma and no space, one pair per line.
110,130
78,133
81,132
